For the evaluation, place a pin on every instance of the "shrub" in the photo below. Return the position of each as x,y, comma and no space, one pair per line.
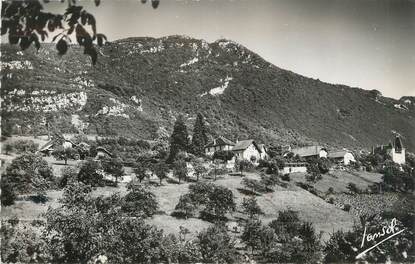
252,234
287,224
8,194
22,146
180,169
114,167
200,192
352,187
216,246
39,198
186,205
139,202
254,185
28,173
269,181
69,175
251,208
89,173
347,207
243,165
286,177
220,201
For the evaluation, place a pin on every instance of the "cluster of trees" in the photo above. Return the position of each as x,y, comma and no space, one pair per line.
265,184
21,146
286,239
28,173
213,201
127,149
179,140
31,174
85,228
397,177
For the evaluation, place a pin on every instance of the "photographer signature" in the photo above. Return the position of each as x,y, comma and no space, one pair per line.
386,230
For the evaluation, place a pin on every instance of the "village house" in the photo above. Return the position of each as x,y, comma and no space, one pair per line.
102,153
48,148
247,149
291,167
310,152
395,150
341,157
217,144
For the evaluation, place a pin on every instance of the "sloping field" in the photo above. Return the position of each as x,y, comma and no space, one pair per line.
325,217
339,180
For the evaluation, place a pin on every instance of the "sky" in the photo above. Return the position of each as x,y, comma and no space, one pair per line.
362,43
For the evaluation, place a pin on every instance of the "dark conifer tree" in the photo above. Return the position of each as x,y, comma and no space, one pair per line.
179,140
199,139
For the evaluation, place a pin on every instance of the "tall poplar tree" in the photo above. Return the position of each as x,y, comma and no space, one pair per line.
200,138
179,140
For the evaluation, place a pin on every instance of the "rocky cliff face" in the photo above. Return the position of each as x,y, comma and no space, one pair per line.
140,85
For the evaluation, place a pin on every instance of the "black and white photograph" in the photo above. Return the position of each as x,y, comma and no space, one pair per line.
207,131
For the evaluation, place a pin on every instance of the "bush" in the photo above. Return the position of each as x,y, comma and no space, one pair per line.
243,165
347,207
251,208
23,146
69,175
286,177
352,187
89,173
254,185
8,195
216,246
186,205
28,173
139,202
269,181
220,201
39,198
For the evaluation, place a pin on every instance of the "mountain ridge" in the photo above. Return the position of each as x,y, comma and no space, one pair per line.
141,84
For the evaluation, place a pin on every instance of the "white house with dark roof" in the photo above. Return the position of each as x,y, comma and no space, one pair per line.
246,149
341,156
217,144
310,152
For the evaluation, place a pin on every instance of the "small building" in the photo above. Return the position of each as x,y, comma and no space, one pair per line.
217,144
397,151
48,148
394,149
310,152
102,153
247,149
290,167
341,156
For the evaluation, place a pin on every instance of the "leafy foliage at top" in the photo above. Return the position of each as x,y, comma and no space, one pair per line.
25,23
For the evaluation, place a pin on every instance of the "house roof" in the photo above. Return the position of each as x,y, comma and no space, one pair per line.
220,141
337,154
104,150
49,145
307,151
244,144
